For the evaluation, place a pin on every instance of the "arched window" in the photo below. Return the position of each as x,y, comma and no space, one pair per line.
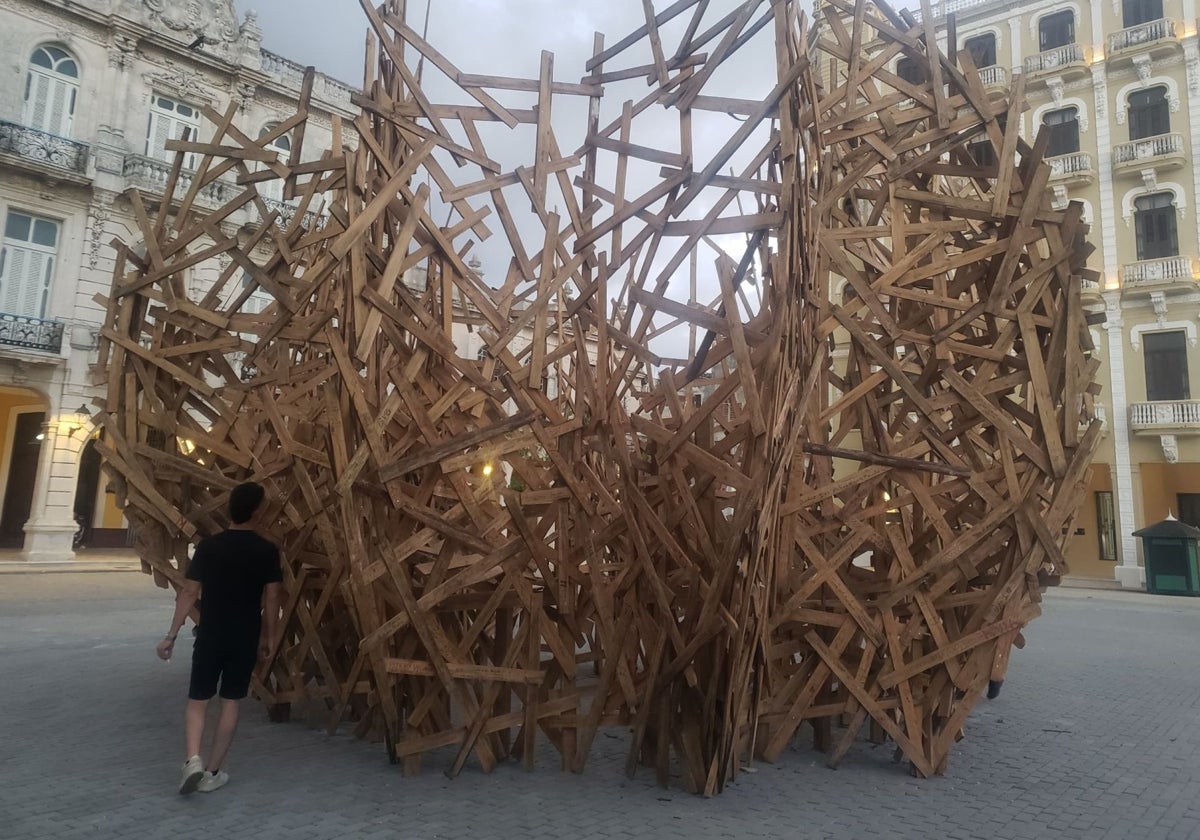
1063,126
1056,30
911,72
1149,113
281,145
1156,224
51,89
982,49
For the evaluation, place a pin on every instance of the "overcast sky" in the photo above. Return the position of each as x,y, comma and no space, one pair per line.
506,37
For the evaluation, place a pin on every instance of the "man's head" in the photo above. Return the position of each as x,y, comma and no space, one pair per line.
244,502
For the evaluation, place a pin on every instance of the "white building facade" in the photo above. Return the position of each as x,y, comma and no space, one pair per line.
89,96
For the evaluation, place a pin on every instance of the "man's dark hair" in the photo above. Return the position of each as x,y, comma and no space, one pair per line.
244,500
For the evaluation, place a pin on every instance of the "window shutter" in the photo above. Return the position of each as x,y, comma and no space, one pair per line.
38,100
59,121
50,103
26,281
159,134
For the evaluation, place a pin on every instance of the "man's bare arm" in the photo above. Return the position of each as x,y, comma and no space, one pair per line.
185,600
270,628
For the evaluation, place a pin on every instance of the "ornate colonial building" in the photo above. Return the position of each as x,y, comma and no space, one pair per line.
89,95
1117,85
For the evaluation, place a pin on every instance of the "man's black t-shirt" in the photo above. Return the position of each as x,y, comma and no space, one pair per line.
233,568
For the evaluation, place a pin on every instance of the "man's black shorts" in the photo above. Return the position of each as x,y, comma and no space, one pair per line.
229,660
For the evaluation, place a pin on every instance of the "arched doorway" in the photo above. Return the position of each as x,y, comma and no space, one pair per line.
22,431
101,523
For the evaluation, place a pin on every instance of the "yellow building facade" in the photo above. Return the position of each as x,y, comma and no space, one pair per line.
1117,85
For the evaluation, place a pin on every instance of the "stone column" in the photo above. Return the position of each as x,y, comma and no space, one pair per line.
1128,572
51,525
1191,53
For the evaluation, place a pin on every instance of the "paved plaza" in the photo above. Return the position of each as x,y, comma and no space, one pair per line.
1096,735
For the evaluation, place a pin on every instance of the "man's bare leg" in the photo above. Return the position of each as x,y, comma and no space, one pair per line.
194,726
226,727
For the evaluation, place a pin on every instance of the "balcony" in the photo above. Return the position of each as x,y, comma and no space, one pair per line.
1098,413
1168,271
287,212
942,8
151,175
1075,168
30,333
1092,291
1069,61
1156,37
47,154
1165,416
1166,151
995,79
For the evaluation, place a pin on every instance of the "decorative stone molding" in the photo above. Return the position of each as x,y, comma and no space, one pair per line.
100,212
1141,63
1081,111
122,50
1170,448
1165,186
214,19
1055,86
108,160
1158,300
1188,327
1173,100
1193,69
1061,197
1150,179
243,93
181,81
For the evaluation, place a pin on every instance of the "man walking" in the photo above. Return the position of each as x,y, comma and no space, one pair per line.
236,577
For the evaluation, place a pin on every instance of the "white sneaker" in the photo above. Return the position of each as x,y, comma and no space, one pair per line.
193,772
212,781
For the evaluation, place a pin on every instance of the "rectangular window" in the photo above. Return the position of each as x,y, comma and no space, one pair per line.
1056,30
258,300
1189,508
983,152
982,49
27,263
1137,12
1106,525
1156,225
1063,126
169,120
1166,366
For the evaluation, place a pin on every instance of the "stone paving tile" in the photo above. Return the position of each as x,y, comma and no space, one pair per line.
1094,736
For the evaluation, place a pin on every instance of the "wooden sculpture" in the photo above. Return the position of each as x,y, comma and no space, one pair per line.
577,529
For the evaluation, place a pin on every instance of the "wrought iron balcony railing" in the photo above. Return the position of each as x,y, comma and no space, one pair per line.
40,147
30,333
1136,36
